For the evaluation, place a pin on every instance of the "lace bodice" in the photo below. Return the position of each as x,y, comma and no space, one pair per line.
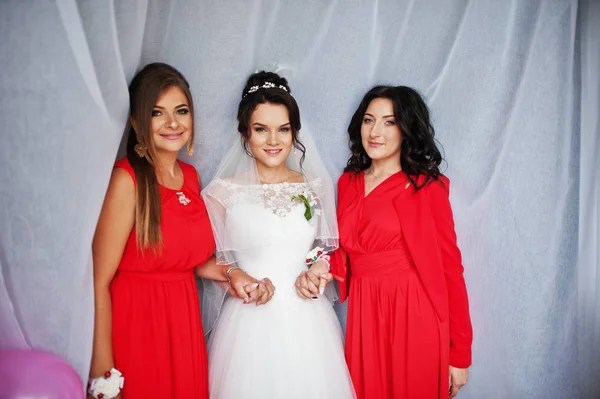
265,230
276,198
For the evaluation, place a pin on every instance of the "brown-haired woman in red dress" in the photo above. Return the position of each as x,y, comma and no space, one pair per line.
152,235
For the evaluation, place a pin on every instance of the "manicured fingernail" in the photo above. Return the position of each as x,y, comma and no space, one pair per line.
321,290
254,285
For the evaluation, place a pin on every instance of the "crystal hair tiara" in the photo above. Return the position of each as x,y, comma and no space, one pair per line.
266,85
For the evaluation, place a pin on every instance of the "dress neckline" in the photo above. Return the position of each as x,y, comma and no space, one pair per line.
390,177
283,183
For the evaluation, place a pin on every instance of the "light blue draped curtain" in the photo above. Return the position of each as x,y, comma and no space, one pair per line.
514,92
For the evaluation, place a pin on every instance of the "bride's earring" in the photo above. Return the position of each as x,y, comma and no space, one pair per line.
247,150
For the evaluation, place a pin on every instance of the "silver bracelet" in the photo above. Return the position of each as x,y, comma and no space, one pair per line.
228,272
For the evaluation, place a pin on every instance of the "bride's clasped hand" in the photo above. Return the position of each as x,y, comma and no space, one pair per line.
249,289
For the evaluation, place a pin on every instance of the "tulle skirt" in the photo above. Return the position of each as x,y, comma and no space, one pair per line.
288,348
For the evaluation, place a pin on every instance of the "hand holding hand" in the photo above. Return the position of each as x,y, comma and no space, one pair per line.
321,269
249,289
242,285
313,281
307,286
265,291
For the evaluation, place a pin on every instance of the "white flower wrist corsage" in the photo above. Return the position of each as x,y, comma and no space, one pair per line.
315,255
108,386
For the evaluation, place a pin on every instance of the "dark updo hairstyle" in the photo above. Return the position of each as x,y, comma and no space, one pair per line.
419,155
144,90
271,95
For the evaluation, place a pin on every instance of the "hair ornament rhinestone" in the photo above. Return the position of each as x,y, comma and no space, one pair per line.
266,85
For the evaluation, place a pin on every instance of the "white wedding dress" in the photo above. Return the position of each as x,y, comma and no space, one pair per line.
290,347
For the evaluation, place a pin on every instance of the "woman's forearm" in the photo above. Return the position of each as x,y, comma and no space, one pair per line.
210,270
102,353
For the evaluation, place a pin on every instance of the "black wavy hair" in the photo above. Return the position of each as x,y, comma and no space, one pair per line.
419,154
272,95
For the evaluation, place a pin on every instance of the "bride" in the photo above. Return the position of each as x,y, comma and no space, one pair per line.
272,209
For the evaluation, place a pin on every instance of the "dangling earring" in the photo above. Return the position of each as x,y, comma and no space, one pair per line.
190,147
140,150
295,150
246,149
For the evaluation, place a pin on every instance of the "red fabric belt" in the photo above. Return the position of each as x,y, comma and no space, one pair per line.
157,275
376,263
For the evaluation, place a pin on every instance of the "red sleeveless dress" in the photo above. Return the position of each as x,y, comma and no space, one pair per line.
158,340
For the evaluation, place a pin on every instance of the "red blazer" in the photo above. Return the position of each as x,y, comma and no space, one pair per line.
428,228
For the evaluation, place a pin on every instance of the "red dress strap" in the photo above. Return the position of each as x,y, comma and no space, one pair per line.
190,176
124,164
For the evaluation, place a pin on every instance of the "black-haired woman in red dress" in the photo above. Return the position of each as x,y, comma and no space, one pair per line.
409,331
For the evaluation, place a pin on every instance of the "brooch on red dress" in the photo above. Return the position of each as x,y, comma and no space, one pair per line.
183,200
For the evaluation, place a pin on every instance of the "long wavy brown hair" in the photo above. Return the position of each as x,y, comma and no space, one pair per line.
144,90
